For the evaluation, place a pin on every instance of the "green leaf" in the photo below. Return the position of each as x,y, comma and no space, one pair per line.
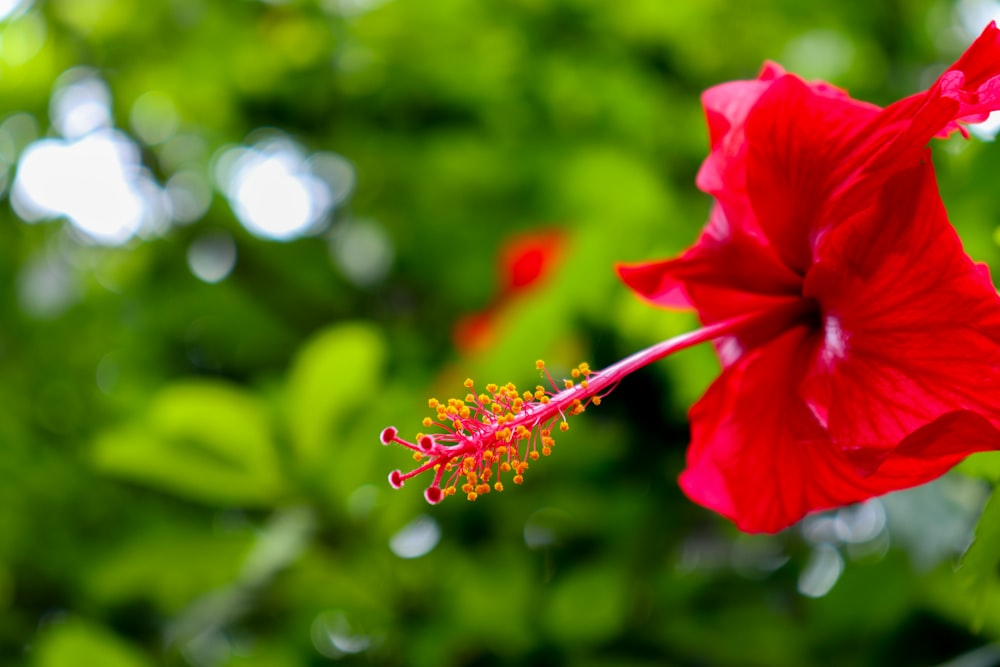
204,440
76,642
333,375
167,566
984,465
979,566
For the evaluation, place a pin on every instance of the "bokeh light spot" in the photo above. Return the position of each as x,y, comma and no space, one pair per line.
212,256
80,104
45,287
8,7
95,181
154,118
363,251
21,39
416,539
821,572
333,636
272,190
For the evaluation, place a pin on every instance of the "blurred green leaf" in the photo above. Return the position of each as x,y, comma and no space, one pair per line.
334,374
984,465
168,567
73,643
204,440
979,566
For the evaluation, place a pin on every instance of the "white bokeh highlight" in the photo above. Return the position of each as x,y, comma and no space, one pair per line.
96,181
416,539
92,174
279,193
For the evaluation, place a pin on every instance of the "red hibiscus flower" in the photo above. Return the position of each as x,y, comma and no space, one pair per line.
860,345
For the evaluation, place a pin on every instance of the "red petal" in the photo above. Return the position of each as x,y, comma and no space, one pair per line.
974,80
933,450
760,457
967,91
726,108
912,324
726,273
800,144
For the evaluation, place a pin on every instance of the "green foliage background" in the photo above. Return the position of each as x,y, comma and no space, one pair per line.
190,472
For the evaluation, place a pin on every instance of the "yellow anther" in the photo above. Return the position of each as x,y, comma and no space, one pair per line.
417,456
518,479
584,368
470,398
527,395
546,451
504,467
544,400
483,489
585,384
437,467
568,384
452,410
472,495
539,364
492,388
487,474
450,491
533,456
511,386
469,383
472,477
488,455
575,372
596,400
465,413
498,487
433,402
467,488
456,424
577,410
496,408
483,398
428,421
501,450
468,463
563,426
